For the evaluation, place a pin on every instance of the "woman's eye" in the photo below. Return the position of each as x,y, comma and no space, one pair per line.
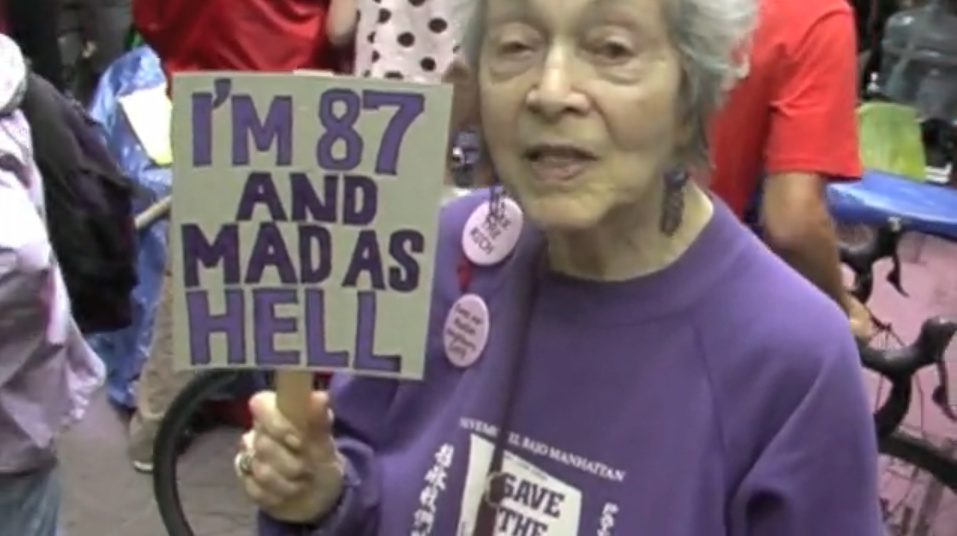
512,48
612,50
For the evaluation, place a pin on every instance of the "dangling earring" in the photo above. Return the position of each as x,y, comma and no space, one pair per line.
496,203
497,193
673,201
481,173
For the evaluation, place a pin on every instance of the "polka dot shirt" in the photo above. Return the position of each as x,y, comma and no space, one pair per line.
411,40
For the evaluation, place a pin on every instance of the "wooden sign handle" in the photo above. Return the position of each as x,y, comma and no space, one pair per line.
293,393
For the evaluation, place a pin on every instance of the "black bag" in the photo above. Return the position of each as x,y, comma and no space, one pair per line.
89,208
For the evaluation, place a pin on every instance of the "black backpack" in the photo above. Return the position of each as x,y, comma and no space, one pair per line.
89,208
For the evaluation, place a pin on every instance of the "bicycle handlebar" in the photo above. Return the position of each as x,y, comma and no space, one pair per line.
899,366
860,258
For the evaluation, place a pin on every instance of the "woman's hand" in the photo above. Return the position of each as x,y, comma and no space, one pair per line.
293,476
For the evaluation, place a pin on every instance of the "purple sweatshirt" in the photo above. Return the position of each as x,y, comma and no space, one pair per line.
719,396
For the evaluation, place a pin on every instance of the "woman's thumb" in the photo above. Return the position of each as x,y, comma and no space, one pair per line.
320,414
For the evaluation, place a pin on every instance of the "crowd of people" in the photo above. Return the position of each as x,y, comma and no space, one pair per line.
670,348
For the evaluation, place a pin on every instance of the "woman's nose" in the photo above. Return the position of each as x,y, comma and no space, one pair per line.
555,92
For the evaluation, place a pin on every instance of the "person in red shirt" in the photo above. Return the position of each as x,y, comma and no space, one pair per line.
243,35
787,128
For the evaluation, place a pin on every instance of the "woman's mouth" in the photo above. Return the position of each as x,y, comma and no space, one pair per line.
558,162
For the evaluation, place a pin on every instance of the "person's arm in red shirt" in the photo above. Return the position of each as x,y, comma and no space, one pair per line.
341,22
812,139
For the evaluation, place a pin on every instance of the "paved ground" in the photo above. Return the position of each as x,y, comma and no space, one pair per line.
104,497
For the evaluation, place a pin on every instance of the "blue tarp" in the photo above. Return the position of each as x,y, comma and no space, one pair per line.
922,207
125,351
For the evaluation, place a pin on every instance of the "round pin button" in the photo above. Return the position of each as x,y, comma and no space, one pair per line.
489,240
466,330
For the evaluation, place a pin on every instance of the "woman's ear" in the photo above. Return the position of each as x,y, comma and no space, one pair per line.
464,97
687,138
465,113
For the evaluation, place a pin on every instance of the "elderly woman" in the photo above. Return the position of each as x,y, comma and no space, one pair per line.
620,356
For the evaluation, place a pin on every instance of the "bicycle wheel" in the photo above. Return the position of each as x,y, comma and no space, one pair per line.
210,453
902,485
923,500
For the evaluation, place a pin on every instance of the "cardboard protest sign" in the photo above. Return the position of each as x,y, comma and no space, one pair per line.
305,212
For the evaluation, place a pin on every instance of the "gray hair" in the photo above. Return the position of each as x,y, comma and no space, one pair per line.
711,38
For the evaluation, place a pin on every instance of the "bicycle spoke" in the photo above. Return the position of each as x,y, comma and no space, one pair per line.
914,503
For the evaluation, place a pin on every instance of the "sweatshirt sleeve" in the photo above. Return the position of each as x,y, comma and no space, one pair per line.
25,269
360,406
21,311
818,473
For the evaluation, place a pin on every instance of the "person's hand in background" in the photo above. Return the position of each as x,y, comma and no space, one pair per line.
89,48
859,318
293,476
341,22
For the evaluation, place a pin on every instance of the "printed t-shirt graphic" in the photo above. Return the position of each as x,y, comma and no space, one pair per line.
535,502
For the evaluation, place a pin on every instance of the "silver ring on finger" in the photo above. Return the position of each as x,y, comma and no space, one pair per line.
244,463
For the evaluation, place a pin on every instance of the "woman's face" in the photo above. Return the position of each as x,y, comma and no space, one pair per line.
579,105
